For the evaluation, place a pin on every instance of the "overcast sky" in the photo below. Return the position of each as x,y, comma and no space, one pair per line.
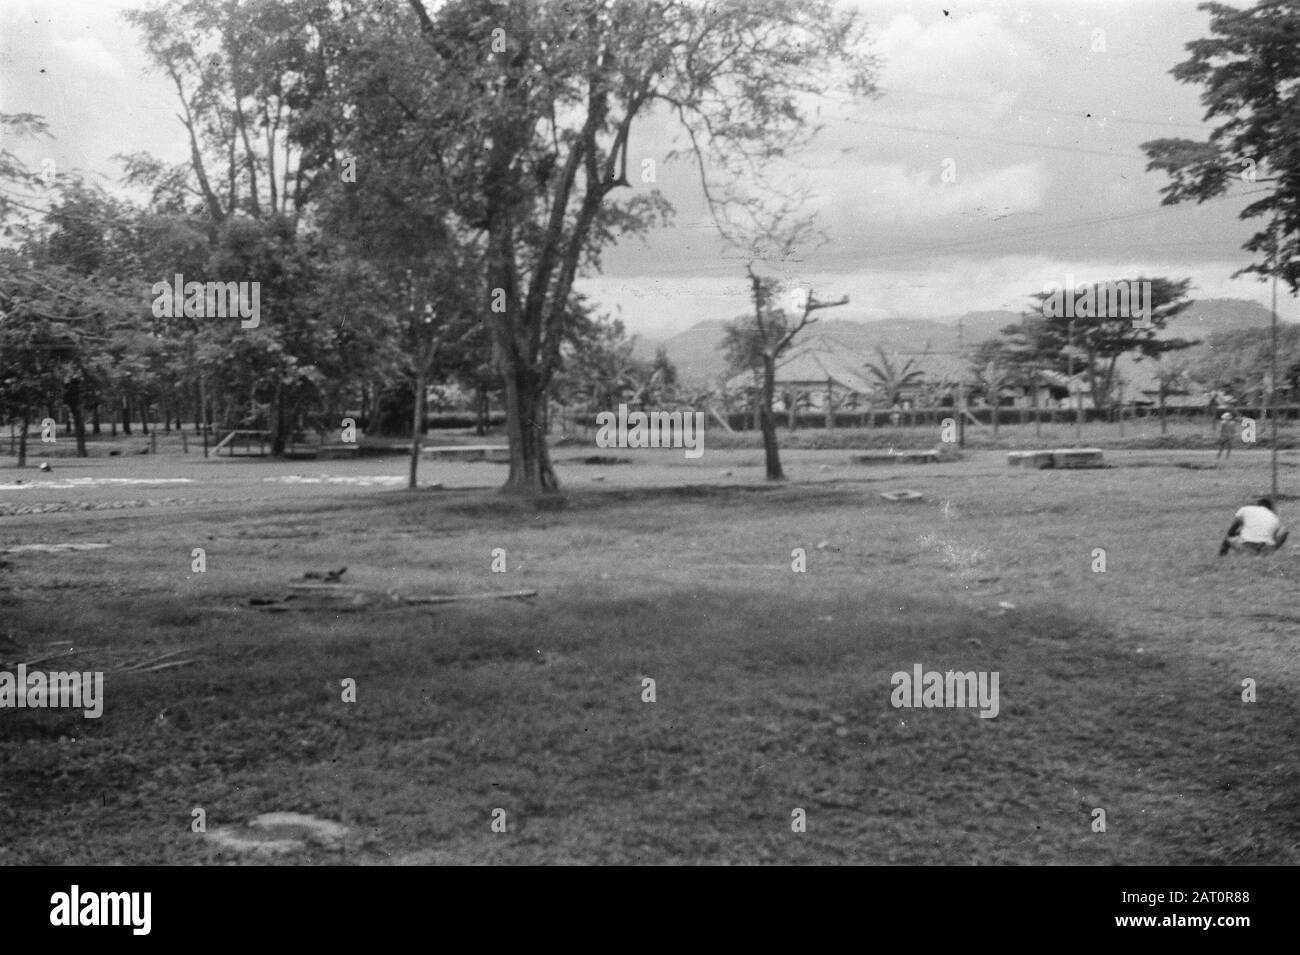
1039,115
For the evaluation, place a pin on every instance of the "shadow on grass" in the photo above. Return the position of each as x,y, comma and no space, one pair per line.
763,702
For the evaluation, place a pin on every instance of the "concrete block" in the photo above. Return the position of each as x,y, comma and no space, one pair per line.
1077,458
1030,459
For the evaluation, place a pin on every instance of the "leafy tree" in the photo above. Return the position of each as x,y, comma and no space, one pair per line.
598,369
59,291
50,321
1102,337
1238,362
1250,79
248,77
758,341
530,110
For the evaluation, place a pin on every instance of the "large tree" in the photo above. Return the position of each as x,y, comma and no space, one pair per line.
761,338
1250,75
1238,362
63,289
1101,336
247,78
530,110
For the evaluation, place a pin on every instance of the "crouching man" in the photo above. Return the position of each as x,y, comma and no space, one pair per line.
1255,527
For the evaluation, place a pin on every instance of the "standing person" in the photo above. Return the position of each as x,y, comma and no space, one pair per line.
1254,527
1226,428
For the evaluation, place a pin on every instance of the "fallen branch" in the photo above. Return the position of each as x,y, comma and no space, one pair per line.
335,588
48,656
449,598
145,663
164,666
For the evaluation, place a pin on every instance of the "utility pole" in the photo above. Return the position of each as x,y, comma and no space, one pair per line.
1078,396
1272,378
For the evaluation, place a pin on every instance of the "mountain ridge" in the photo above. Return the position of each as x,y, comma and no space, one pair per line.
699,361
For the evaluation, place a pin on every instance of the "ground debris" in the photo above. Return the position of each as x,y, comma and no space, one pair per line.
901,496
348,597
49,548
274,833
146,662
329,576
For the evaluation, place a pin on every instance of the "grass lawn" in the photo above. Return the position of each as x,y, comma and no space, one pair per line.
1118,690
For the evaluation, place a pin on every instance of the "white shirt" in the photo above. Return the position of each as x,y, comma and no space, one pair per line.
1258,524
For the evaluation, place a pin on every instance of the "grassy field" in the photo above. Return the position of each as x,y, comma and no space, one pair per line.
1119,690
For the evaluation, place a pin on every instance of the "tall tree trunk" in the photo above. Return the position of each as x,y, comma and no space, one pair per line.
22,439
144,414
417,423
767,421
78,417
94,415
277,421
203,413
483,421
126,415
530,458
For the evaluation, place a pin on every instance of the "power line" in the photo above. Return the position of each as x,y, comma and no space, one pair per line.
1058,112
1109,154
938,248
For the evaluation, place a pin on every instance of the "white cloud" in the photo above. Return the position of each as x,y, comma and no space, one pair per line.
897,194
974,54
659,306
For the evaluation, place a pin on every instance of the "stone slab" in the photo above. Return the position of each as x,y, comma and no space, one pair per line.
896,457
1030,459
1077,458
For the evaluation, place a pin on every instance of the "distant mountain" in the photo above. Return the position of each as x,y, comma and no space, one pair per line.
697,354
1206,317
1209,315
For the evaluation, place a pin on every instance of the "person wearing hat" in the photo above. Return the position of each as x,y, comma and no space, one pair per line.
1255,527
1226,427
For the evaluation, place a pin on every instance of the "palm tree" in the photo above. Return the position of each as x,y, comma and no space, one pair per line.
892,379
934,392
993,377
